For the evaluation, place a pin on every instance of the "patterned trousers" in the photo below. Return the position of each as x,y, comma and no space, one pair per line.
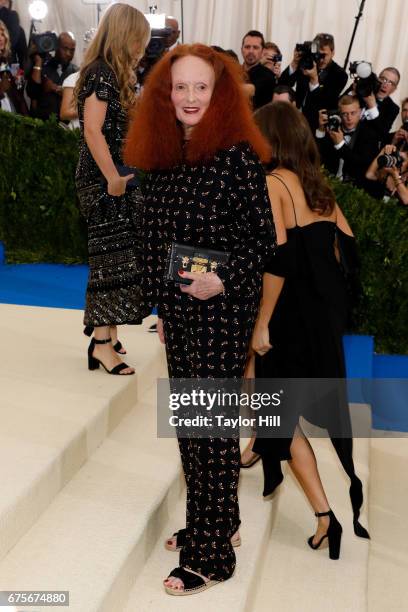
208,341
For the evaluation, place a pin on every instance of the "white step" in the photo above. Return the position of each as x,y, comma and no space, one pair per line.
294,577
234,595
54,412
96,535
388,563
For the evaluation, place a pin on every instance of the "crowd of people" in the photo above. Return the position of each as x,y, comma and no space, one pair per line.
246,191
234,235
42,84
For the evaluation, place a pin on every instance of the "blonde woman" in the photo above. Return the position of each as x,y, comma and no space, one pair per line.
5,45
111,204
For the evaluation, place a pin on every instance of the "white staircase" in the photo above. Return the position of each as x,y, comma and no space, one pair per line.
89,492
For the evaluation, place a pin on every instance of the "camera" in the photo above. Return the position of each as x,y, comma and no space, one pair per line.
157,44
405,126
310,54
46,43
154,51
393,160
334,120
276,58
367,83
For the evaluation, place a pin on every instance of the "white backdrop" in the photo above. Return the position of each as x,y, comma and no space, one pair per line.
381,37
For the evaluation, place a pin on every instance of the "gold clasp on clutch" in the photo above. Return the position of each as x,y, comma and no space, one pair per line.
213,266
185,260
199,265
198,268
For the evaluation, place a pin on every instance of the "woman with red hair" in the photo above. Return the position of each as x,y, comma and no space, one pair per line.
205,187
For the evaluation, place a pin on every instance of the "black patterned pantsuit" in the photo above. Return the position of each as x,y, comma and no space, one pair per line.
209,340
220,204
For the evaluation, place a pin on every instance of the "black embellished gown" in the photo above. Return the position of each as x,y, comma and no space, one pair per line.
222,204
113,294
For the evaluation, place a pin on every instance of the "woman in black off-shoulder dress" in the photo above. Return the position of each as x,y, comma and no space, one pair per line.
303,316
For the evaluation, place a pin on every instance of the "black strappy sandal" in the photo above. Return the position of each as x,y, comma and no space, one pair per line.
88,331
333,535
192,583
93,363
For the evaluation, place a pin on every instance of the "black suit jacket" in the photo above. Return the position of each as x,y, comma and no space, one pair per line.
388,113
357,155
264,81
331,82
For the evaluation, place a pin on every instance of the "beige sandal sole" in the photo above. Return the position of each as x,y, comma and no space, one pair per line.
203,587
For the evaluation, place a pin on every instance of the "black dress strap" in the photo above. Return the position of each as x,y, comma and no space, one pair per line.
288,190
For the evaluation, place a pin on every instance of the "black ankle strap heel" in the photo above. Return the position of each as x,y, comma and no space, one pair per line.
93,363
333,535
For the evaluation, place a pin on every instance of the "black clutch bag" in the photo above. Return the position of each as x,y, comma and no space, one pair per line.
192,259
125,171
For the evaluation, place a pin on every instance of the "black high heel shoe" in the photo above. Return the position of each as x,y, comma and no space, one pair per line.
333,534
88,331
93,363
356,497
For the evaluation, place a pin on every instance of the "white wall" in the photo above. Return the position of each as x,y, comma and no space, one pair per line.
381,38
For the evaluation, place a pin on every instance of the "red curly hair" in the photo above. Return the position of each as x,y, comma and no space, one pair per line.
155,138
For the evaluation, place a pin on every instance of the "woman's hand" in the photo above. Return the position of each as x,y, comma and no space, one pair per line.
204,286
260,339
117,185
160,330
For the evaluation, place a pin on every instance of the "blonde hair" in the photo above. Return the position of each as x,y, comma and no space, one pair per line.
7,47
121,27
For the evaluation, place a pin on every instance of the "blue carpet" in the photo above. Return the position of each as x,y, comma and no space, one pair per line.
48,285
63,286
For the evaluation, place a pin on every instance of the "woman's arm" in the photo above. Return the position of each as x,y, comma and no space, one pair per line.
400,187
94,117
68,111
272,284
249,203
342,222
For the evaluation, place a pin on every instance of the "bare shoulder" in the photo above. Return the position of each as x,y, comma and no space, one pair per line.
290,178
342,222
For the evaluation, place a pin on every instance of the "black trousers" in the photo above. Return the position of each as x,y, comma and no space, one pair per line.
208,340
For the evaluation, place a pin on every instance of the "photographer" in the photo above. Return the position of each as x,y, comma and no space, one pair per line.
379,89
390,170
47,75
347,144
272,59
261,77
319,80
283,93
